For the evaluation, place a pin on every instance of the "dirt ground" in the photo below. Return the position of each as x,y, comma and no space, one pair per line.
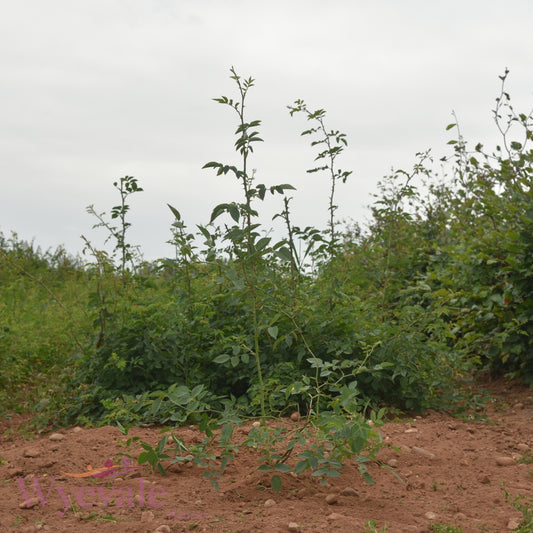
452,472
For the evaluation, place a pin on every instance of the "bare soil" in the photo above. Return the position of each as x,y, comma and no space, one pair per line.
451,471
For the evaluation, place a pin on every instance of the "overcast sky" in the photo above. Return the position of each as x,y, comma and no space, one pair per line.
94,90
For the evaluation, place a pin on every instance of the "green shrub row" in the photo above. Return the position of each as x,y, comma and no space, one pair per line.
401,313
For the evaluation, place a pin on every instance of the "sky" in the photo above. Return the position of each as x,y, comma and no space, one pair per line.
94,90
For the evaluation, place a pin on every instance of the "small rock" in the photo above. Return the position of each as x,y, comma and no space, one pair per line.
411,430
77,429
459,516
331,498
513,523
294,527
256,424
430,515
522,447
518,405
424,453
47,464
137,501
393,463
270,503
162,529
295,416
334,516
175,468
16,471
56,436
31,452
484,479
505,461
29,504
147,516
349,491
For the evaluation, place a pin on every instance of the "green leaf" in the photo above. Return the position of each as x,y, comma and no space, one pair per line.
282,467
218,210
261,190
196,391
281,188
175,212
156,405
234,212
273,331
262,243
276,483
221,359
301,466
368,478
284,254
205,232
212,164
450,126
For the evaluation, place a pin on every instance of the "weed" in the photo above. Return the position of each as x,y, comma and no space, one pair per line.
445,528
371,526
525,506
526,458
126,186
100,517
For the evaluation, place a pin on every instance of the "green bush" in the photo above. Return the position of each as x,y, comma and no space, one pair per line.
439,284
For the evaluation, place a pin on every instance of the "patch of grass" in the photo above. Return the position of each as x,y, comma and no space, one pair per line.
525,506
445,528
371,526
97,517
526,459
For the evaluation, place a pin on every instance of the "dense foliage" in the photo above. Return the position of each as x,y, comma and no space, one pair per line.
440,285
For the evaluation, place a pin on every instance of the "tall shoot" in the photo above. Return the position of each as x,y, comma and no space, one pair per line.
126,186
333,142
244,145
247,245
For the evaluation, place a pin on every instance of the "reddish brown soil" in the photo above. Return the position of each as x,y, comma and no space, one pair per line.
461,485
